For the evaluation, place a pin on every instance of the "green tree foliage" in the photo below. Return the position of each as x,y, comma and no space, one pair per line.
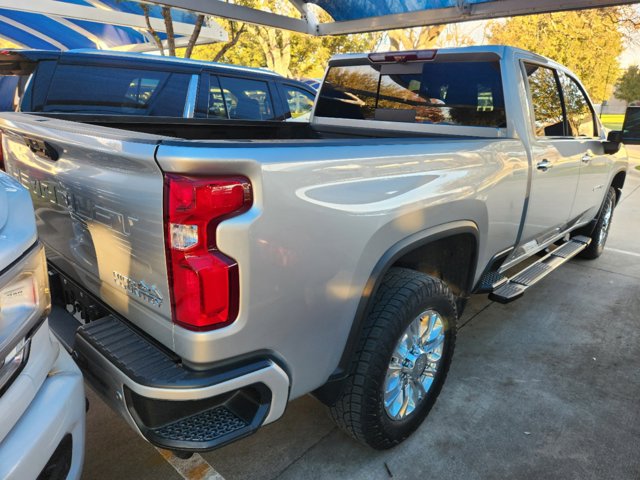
588,42
258,46
628,87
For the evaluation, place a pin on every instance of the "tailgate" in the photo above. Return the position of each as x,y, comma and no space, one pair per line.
98,198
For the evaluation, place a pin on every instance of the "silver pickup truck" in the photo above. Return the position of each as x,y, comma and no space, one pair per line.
205,276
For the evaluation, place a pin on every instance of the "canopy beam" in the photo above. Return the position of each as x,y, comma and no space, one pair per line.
463,12
231,11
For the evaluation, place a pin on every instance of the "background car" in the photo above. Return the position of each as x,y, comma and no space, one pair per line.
42,402
145,85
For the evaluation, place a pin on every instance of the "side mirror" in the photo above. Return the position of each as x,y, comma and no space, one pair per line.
615,136
614,140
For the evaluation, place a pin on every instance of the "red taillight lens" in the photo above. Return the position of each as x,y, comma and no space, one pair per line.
204,282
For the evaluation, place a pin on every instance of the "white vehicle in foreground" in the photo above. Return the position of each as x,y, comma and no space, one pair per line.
42,402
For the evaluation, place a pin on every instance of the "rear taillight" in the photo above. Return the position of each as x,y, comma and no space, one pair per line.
205,288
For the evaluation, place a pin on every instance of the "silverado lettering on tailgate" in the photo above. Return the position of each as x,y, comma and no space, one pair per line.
80,208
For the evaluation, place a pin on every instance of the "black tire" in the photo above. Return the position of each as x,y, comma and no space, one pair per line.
403,295
601,231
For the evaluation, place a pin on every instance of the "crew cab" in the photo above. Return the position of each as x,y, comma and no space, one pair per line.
205,272
42,403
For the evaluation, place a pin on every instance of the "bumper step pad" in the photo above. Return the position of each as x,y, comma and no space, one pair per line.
515,287
203,427
491,281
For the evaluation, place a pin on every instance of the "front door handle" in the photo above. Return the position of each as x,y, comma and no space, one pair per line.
544,165
586,158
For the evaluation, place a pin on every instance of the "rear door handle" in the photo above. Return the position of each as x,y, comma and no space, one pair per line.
544,165
586,158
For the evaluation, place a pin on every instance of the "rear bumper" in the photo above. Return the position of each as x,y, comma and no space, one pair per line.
48,436
170,405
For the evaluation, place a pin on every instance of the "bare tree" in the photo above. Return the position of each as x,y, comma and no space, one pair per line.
152,32
194,36
236,33
171,38
168,25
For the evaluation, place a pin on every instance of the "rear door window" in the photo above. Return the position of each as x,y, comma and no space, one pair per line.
246,99
449,93
300,102
580,115
546,101
116,91
212,100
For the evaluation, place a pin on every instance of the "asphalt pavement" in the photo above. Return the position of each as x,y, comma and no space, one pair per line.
545,387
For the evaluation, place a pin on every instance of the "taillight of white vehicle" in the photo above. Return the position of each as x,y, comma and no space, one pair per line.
204,283
24,298
27,293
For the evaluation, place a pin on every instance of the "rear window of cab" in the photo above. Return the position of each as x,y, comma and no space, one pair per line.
464,93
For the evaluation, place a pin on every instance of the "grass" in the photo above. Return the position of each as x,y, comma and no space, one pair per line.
613,121
637,167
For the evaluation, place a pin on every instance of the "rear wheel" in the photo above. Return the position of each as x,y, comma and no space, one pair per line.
402,360
601,231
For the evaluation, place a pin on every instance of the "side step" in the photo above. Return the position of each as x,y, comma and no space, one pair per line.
516,286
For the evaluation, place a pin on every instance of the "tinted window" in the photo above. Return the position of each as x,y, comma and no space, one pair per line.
547,106
111,90
247,99
452,93
631,127
300,101
349,92
579,114
213,100
9,92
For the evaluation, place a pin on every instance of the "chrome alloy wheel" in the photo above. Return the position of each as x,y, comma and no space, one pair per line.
414,364
606,223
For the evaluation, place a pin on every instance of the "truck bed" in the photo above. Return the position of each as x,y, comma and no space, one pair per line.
211,129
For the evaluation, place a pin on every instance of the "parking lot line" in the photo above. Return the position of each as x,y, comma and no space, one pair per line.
624,252
194,468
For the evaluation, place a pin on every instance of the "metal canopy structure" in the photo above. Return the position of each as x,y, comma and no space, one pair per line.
121,24
356,16
101,24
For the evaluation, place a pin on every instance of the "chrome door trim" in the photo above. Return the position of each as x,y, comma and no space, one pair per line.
190,102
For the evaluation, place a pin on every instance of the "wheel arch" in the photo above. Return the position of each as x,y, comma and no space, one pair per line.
618,182
428,244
